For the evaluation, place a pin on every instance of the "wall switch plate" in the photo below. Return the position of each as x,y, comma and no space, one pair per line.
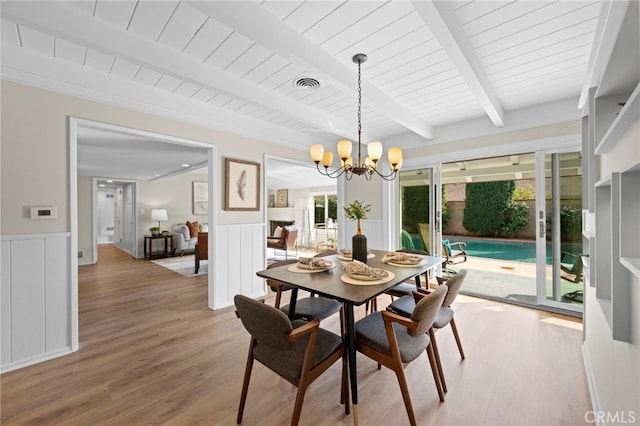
44,212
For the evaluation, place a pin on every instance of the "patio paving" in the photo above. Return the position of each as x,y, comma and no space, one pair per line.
508,280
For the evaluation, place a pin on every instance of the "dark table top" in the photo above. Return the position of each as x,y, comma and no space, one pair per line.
329,284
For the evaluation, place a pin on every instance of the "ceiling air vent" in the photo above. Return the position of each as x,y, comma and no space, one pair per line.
306,83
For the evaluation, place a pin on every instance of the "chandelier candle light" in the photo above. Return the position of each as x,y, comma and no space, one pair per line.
374,149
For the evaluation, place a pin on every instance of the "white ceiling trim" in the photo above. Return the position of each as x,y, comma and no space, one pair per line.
442,22
71,25
609,25
251,20
36,70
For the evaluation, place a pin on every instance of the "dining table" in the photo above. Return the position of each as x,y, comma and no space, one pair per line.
337,284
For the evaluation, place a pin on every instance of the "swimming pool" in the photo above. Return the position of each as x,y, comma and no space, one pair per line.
518,251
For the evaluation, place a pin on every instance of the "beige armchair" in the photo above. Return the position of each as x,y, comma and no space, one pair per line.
286,241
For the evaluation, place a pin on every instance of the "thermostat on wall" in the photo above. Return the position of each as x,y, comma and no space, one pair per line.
44,212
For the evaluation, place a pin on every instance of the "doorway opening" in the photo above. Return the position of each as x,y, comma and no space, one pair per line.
126,148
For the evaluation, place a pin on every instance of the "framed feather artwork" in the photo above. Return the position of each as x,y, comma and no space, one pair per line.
242,185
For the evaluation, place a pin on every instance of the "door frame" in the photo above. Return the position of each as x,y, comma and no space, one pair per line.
212,155
94,205
541,240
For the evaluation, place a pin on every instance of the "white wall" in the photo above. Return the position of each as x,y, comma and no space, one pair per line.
35,170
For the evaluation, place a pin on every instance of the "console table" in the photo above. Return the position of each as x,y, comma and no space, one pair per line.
331,235
148,246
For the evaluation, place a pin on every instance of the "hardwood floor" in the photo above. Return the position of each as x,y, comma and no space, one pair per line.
151,352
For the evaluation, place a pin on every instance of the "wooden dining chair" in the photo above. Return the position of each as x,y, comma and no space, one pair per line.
297,351
393,340
404,306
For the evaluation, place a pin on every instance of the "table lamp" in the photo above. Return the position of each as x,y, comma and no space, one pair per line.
160,215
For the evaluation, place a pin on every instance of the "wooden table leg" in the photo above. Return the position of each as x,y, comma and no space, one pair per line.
351,357
292,303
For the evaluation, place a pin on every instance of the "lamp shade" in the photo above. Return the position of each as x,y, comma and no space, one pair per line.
375,150
395,156
344,149
159,215
316,151
327,158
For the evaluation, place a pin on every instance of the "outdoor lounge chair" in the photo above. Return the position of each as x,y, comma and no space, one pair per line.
423,229
571,266
453,253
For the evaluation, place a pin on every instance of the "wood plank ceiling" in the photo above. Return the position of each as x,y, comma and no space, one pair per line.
233,65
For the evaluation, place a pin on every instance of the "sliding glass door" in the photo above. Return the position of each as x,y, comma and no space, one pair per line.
420,210
560,283
517,219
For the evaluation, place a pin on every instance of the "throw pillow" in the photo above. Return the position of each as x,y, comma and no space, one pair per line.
277,233
193,228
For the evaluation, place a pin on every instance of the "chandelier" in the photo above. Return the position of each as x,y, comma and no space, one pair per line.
374,150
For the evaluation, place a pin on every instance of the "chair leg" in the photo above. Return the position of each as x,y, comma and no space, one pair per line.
457,336
278,299
245,384
434,368
436,352
405,394
297,408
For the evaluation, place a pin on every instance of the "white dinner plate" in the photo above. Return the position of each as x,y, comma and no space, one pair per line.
407,264
346,278
349,258
313,268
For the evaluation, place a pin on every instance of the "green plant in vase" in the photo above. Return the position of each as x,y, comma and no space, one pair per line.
155,230
357,210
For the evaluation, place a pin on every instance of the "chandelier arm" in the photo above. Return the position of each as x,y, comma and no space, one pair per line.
334,174
389,177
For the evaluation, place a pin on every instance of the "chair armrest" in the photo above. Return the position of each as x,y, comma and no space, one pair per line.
420,293
459,244
390,317
308,328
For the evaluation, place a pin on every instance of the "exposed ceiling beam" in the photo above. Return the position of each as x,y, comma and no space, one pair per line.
253,21
67,23
441,20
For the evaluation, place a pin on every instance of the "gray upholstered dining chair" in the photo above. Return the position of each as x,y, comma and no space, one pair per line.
297,351
404,306
393,340
404,288
309,308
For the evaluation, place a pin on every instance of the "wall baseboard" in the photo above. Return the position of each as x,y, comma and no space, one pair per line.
591,382
34,360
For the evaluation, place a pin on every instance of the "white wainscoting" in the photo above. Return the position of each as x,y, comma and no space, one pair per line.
372,229
240,251
36,299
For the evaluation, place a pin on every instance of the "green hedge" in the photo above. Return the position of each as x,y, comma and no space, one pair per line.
485,203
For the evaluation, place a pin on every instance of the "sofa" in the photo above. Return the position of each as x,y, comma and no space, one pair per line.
182,239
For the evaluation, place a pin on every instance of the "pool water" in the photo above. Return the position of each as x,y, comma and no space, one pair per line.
509,250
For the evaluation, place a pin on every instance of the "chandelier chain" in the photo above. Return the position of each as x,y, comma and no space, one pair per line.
359,103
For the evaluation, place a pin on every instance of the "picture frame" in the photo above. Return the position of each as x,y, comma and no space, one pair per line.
200,194
282,198
242,185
